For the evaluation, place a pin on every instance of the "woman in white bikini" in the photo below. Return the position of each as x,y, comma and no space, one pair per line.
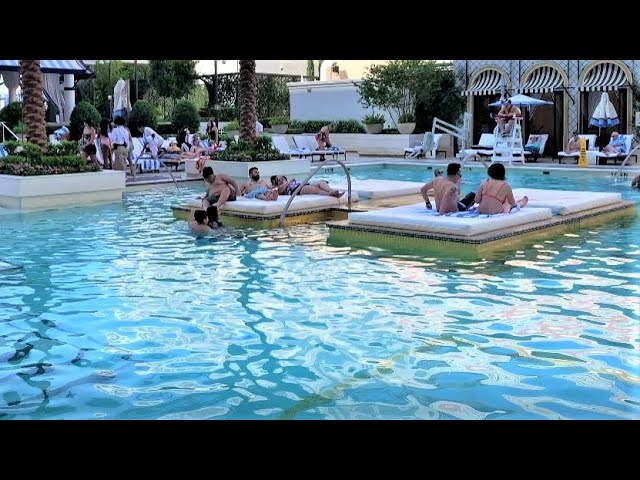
495,194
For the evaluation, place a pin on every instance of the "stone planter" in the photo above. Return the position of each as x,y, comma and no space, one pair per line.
68,190
406,128
374,128
298,168
280,129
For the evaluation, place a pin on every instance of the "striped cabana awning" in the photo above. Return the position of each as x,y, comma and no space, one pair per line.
487,83
48,66
543,79
604,76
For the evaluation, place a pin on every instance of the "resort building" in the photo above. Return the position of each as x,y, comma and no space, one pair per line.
574,86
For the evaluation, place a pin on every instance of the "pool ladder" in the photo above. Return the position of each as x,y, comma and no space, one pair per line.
633,151
302,184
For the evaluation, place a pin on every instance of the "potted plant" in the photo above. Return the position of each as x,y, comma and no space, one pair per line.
279,125
406,123
374,123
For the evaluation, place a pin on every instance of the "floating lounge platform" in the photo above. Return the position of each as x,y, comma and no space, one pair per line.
262,213
413,228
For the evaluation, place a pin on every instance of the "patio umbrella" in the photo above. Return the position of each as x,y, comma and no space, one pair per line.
522,101
604,115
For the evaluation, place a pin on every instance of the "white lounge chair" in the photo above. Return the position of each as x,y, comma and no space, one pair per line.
430,143
310,142
628,139
483,149
542,140
591,145
280,143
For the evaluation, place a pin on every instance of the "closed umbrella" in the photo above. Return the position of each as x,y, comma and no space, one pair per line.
605,114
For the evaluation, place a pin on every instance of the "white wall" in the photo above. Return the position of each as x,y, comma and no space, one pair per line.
330,100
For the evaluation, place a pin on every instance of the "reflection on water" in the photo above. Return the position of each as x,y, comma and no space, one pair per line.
119,313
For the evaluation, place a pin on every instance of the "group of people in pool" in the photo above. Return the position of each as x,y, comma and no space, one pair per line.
494,195
222,188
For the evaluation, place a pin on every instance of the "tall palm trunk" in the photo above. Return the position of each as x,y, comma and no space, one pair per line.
248,100
33,103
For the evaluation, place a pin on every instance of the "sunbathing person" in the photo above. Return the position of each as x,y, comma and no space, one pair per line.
573,145
221,189
447,191
198,222
256,188
495,194
287,187
616,145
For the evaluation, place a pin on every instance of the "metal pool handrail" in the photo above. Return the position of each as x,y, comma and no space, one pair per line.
302,184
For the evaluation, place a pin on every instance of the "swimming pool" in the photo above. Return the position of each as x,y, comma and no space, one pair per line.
119,313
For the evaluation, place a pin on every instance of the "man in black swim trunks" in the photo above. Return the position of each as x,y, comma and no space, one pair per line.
221,189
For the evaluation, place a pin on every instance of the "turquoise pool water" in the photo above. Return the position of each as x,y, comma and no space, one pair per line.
119,313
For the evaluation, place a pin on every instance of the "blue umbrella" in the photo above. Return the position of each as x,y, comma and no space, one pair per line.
522,101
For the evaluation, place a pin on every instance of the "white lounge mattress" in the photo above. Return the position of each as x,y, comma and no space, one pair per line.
564,202
416,217
380,188
300,203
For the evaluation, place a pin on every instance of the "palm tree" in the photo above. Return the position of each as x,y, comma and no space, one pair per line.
33,103
248,100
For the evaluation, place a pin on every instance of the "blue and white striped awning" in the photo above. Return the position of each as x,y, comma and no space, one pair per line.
605,76
543,79
48,66
487,83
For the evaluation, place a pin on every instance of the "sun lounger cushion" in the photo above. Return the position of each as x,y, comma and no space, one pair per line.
417,218
380,188
300,203
564,202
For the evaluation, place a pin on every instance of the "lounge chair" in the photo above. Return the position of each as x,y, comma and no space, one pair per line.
591,145
484,148
280,144
542,140
430,143
143,160
309,142
603,158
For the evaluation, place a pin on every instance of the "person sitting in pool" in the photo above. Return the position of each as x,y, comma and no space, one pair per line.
213,219
287,187
198,222
256,188
495,194
221,189
447,191
635,183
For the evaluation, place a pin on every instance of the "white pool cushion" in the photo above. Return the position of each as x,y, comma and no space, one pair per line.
565,202
417,218
300,203
380,188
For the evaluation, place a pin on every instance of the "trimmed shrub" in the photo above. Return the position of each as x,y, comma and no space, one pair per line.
142,112
82,111
165,129
185,114
11,114
26,167
348,126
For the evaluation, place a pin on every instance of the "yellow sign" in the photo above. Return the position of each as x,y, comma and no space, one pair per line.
582,159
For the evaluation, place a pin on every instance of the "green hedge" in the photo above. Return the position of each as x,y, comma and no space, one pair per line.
26,167
11,114
142,112
82,111
261,151
185,114
314,126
